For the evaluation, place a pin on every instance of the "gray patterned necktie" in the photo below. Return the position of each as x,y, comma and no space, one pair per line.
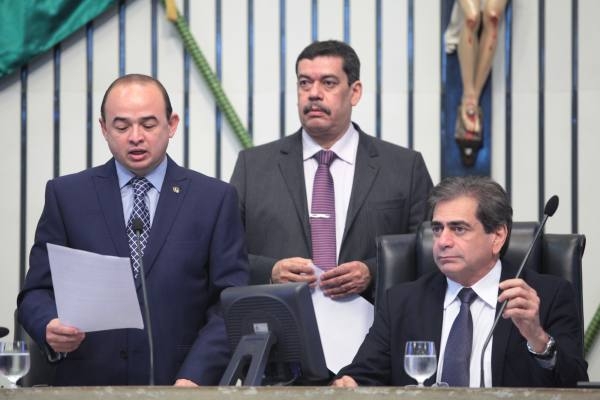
140,210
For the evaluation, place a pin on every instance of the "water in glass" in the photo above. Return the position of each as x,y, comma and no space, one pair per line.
420,360
14,360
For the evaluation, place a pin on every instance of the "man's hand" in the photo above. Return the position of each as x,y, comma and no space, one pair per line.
523,308
62,338
349,278
185,383
345,381
294,269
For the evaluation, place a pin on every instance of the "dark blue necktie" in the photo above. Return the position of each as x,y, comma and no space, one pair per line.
140,210
457,356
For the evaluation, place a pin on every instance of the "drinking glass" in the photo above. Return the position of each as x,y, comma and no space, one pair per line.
14,360
420,361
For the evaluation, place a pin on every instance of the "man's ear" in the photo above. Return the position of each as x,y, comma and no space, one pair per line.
500,237
356,89
103,127
173,123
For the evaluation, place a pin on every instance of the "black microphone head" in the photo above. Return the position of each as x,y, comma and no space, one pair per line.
551,206
3,331
137,225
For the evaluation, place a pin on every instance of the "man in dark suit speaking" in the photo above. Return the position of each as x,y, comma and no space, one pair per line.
193,250
323,194
536,343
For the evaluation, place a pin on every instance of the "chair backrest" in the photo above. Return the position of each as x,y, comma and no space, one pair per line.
402,258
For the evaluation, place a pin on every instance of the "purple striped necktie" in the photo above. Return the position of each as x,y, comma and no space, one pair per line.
322,214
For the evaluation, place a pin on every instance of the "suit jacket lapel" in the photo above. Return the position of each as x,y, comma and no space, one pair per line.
501,333
365,171
109,198
172,193
292,168
434,303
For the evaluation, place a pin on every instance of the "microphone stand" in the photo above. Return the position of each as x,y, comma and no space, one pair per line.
138,227
549,210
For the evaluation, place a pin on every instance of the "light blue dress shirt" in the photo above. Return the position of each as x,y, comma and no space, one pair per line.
155,177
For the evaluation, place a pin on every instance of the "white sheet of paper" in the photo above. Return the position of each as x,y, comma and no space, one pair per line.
343,325
93,292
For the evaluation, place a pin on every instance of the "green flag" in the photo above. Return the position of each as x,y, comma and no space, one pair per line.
30,27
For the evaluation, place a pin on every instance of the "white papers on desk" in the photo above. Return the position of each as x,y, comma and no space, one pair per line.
93,292
343,325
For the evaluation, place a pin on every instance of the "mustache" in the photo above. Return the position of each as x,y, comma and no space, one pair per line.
310,106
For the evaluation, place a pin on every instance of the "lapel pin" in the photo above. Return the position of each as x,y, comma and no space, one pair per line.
176,189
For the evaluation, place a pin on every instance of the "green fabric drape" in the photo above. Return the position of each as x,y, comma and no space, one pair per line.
30,27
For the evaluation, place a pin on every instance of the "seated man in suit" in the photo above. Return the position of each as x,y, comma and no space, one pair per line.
192,246
536,343
323,194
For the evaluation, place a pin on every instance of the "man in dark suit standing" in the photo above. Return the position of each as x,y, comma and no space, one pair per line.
195,249
536,343
375,187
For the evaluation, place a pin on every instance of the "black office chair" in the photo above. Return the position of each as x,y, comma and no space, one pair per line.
402,258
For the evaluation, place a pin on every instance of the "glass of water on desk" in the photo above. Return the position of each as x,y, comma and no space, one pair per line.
420,361
14,360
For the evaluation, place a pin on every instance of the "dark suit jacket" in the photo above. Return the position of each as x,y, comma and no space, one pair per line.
196,248
389,195
414,311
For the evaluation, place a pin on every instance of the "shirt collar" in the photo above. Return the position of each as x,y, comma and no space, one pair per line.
155,177
486,288
345,148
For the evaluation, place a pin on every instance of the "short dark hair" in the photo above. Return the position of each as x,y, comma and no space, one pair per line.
493,204
142,79
333,48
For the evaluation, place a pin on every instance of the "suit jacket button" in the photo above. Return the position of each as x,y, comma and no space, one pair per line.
123,354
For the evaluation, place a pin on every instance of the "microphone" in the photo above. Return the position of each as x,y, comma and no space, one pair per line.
138,228
3,331
549,210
